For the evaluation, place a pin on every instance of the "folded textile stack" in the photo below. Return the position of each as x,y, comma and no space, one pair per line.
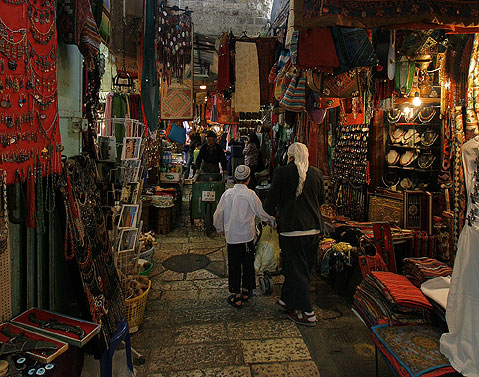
412,351
418,270
385,297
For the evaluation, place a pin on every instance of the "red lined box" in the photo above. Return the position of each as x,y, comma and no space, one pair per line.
43,356
90,328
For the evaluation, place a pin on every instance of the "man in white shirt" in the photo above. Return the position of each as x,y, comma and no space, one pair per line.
235,215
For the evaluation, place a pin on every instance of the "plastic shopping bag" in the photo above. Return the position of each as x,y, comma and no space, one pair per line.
267,251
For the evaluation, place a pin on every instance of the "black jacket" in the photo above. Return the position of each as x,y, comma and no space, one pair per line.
215,156
296,214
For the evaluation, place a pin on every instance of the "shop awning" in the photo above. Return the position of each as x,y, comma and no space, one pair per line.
454,15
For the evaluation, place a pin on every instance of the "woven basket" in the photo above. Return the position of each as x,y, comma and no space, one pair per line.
135,309
148,254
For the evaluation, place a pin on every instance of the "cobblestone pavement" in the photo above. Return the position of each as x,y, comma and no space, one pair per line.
189,330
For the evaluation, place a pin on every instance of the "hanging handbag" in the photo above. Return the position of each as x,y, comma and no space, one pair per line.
295,96
315,113
345,85
281,80
177,133
354,49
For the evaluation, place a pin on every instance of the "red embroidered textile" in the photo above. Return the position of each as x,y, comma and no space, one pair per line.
316,49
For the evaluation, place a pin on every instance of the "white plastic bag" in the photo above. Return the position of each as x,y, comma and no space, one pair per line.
267,251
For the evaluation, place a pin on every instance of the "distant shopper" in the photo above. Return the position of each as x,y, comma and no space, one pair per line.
235,215
237,147
251,157
211,155
297,192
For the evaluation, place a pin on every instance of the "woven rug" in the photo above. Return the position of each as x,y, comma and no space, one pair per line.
247,88
177,102
415,348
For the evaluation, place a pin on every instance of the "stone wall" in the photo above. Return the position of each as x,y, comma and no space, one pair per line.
212,17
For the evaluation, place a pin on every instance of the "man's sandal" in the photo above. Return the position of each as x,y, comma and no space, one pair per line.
235,301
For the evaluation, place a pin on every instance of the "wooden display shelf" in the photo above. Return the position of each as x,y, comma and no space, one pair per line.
414,147
413,169
408,100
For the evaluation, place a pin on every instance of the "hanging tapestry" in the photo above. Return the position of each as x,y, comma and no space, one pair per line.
78,26
223,81
174,42
386,13
28,88
177,99
267,56
247,88
149,78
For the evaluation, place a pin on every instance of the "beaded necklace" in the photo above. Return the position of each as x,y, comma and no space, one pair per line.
4,225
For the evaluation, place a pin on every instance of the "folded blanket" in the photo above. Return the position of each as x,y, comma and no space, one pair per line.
419,270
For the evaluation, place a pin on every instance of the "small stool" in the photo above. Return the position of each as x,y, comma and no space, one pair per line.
106,362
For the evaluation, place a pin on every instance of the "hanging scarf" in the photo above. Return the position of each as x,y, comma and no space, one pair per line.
299,152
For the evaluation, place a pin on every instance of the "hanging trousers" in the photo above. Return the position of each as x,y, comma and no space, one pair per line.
241,267
298,255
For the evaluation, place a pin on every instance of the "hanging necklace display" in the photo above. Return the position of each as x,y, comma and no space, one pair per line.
429,137
408,158
47,83
14,47
174,40
426,160
40,15
40,37
392,157
390,179
44,104
4,224
406,183
43,61
48,133
411,115
398,135
426,118
411,137
394,115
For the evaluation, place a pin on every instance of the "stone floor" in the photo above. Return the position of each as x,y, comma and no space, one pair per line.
190,331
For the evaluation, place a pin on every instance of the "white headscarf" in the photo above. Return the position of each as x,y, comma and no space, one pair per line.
299,152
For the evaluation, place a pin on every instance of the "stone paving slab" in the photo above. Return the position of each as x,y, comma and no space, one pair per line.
233,371
273,350
208,333
200,275
171,276
194,356
262,329
296,369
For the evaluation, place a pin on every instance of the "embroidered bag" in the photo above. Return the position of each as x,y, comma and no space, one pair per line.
295,96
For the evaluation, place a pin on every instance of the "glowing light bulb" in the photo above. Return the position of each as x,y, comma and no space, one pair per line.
406,110
203,87
416,101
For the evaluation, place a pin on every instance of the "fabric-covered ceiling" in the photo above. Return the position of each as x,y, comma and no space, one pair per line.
455,15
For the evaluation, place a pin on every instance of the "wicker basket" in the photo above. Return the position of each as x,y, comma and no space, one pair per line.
135,309
148,254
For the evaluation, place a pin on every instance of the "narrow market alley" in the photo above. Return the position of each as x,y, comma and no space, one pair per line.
190,330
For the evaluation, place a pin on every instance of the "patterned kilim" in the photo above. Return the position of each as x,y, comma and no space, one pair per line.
414,348
177,103
383,13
